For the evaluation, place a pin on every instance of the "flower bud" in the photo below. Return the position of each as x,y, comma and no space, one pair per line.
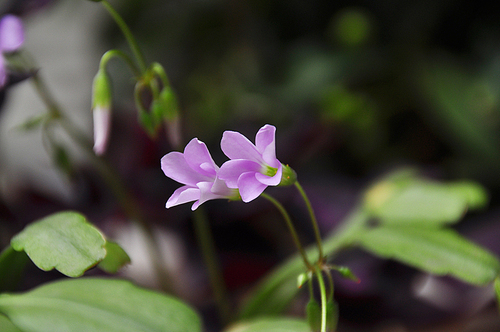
288,177
101,107
332,315
313,314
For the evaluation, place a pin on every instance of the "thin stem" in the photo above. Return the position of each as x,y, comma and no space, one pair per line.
322,290
289,223
313,220
128,35
205,240
124,56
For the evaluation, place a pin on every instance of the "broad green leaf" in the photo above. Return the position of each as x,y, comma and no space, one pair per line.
7,326
415,201
115,258
99,305
437,251
271,325
65,241
12,264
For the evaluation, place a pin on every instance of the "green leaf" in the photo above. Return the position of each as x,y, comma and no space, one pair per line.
437,251
115,258
271,325
7,326
64,241
93,304
12,264
416,201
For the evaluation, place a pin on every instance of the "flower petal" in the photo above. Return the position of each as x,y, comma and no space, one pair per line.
265,137
231,170
270,180
206,194
174,166
183,195
236,146
250,188
11,33
199,159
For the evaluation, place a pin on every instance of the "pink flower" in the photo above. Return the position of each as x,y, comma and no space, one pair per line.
252,167
198,172
11,39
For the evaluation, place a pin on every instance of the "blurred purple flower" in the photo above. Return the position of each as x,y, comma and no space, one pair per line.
252,167
195,169
11,39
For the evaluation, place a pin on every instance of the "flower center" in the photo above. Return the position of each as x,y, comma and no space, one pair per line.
269,171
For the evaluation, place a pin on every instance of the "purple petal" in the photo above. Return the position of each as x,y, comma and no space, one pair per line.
220,188
250,188
175,167
206,194
270,180
265,137
236,146
11,33
183,195
198,158
231,170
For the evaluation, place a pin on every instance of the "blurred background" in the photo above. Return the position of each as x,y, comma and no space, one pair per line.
355,89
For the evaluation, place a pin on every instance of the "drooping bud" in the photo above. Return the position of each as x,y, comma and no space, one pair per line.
102,98
313,314
332,315
288,177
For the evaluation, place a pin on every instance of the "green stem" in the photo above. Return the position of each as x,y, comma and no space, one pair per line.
313,220
289,223
118,53
205,240
322,290
128,35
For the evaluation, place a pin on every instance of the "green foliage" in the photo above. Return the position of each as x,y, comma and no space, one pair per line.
437,251
409,200
12,264
65,241
271,325
7,326
92,304
115,258
411,235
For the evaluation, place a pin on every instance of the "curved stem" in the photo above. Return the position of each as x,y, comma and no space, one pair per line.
313,220
289,223
322,290
128,35
125,57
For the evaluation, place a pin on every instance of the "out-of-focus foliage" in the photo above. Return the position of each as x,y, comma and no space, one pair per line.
102,304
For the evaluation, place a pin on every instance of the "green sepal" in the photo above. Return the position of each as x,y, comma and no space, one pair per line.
102,92
288,176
